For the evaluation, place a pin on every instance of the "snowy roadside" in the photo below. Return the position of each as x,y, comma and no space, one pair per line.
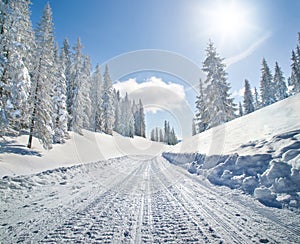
17,159
258,154
273,178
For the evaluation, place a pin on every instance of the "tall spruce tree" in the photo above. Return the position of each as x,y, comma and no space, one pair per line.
152,136
267,91
248,98
16,64
280,85
107,115
43,76
220,106
241,112
295,76
69,80
201,116
161,135
118,113
256,99
173,137
60,114
127,118
157,134
85,90
139,119
77,113
96,100
166,132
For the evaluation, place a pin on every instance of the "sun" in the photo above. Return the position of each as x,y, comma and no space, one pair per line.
227,20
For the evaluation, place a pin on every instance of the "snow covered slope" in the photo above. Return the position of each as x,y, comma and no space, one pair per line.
263,124
17,159
258,154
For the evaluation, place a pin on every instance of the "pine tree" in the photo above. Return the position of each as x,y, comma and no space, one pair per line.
107,119
166,132
256,99
173,137
201,116
139,119
135,113
157,134
85,89
117,109
77,113
266,86
4,91
96,100
248,98
131,124
220,107
152,136
60,114
41,116
161,135
295,76
16,64
280,85
69,80
25,34
127,118
241,113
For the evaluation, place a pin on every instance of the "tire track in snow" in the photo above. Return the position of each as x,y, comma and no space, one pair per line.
256,221
109,218
200,215
252,211
185,226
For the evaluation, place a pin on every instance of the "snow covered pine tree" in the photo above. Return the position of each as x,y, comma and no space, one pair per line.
43,77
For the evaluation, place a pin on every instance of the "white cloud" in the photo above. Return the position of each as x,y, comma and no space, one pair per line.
154,92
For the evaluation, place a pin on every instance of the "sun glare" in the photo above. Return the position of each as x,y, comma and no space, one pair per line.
227,20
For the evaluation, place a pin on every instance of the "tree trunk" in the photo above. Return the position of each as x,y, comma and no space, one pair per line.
34,109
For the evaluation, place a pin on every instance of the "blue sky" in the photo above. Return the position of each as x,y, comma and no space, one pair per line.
110,29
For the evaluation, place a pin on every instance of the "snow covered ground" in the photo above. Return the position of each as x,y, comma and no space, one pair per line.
98,188
17,159
258,153
134,200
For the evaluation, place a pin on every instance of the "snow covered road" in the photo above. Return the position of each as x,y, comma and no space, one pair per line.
135,200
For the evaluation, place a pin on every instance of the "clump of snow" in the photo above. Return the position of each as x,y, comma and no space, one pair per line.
265,196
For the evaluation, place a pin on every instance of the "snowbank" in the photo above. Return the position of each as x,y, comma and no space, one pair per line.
17,159
258,154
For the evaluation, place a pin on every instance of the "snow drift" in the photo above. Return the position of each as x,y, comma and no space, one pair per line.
17,159
258,154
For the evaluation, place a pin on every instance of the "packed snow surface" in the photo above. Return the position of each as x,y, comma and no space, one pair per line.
134,200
